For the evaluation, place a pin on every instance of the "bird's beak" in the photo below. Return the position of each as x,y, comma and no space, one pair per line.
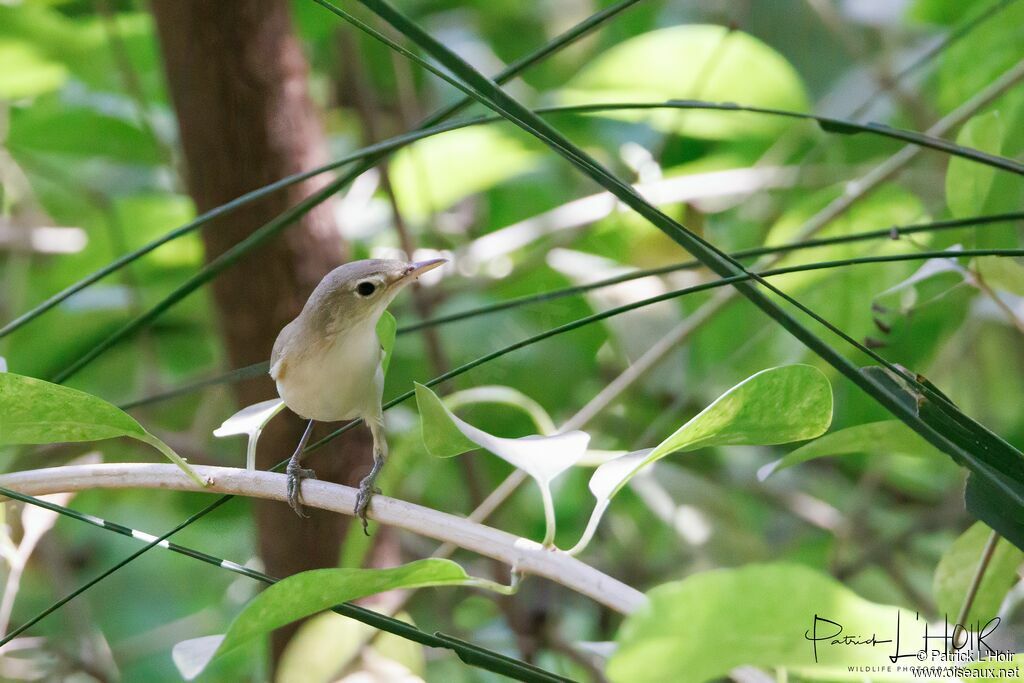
419,267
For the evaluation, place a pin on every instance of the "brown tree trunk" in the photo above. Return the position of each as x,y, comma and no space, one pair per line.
238,80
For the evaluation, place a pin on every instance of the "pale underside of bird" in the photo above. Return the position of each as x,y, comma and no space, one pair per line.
327,362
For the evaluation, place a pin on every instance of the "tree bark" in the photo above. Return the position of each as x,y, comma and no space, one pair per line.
238,80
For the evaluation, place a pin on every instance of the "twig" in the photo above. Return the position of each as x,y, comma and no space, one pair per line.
979,575
525,556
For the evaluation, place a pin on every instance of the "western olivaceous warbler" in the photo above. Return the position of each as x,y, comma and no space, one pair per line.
327,362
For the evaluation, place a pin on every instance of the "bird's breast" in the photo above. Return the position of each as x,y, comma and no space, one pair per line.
333,381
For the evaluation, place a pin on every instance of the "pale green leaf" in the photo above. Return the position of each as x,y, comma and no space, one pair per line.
329,643
887,436
1001,273
693,62
308,593
435,173
777,405
956,570
26,72
33,411
968,183
704,626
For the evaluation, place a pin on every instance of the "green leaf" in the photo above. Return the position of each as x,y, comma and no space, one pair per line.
541,457
957,568
1001,273
887,436
433,174
329,643
310,592
693,62
33,411
777,405
26,72
387,328
704,626
967,183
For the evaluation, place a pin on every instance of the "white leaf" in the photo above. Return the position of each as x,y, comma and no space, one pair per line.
542,457
3,364
250,421
191,656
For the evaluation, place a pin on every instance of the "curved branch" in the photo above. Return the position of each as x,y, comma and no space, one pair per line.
524,555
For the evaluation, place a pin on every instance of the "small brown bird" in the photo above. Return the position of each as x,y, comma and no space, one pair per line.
327,362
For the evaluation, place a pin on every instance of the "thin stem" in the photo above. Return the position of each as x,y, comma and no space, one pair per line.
987,553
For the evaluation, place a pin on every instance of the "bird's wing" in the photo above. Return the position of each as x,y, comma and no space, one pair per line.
277,364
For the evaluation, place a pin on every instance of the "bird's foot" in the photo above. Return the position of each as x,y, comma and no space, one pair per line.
295,476
366,492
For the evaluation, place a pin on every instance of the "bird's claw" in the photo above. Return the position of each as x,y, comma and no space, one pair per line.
295,476
366,492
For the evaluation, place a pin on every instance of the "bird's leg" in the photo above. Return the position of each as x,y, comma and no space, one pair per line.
380,453
296,473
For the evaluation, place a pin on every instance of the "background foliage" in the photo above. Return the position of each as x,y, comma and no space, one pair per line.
89,148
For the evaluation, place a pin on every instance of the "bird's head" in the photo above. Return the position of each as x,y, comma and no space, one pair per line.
358,292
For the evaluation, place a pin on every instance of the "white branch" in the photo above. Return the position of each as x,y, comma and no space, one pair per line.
526,556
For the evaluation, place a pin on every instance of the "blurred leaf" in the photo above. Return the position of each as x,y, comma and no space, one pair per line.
968,183
957,568
693,62
310,592
33,411
250,421
887,436
756,615
1001,273
434,174
26,72
777,405
386,330
60,128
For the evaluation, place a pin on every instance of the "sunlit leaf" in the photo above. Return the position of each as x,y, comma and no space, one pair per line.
250,421
957,568
433,174
967,183
1001,273
693,62
777,405
33,411
887,436
756,615
310,592
26,72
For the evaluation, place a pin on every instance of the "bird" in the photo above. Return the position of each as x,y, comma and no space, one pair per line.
327,361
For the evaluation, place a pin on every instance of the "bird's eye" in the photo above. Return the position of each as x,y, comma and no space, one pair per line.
366,288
